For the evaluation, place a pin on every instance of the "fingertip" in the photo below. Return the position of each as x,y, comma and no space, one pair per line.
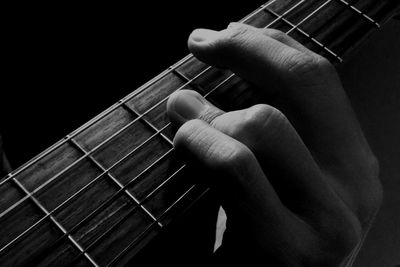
185,105
203,43
203,36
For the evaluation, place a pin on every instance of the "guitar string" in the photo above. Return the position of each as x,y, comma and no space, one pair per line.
108,201
296,25
105,113
136,119
86,154
156,79
153,224
292,29
136,239
233,75
139,237
110,138
115,106
99,176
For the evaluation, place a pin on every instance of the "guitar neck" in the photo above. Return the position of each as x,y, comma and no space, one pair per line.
103,192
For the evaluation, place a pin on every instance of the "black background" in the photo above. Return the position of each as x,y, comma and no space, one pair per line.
65,63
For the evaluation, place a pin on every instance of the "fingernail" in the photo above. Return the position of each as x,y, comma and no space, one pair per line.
189,104
203,35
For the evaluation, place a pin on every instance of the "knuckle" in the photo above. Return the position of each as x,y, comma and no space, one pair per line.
187,133
267,119
230,157
276,34
235,37
301,64
221,155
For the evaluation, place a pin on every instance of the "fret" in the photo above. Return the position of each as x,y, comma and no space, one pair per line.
67,184
241,94
115,241
32,243
104,128
90,230
117,226
155,93
378,11
40,205
192,68
137,162
359,12
10,195
259,20
59,256
12,225
347,34
159,172
114,180
191,196
167,192
157,122
312,44
209,79
83,204
123,143
48,166
153,111
100,194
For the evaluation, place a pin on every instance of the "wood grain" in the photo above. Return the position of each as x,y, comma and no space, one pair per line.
110,196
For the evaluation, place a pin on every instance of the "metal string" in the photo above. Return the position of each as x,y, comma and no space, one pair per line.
294,27
121,102
159,131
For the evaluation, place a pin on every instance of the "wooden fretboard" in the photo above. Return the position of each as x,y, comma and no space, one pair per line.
104,191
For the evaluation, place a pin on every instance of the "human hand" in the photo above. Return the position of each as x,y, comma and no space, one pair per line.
298,181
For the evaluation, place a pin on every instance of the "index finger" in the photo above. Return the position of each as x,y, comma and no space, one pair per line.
312,96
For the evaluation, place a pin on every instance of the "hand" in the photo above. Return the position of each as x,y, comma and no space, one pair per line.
298,181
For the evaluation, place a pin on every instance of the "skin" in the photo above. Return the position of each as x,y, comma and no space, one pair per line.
297,180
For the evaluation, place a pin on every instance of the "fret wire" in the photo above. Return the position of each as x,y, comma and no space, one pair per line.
99,145
296,27
92,182
231,76
125,127
365,16
108,111
99,176
55,222
217,86
311,14
148,123
144,233
284,14
94,120
113,107
117,183
131,211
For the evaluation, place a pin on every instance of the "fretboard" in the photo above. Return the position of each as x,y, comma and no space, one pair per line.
104,191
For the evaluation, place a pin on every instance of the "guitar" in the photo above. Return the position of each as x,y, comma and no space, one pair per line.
101,194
